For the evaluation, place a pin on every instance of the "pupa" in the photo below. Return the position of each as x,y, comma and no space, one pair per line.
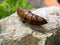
28,17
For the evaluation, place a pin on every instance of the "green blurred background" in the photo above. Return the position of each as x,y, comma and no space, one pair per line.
7,7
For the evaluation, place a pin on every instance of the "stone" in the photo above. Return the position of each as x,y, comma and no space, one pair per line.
14,32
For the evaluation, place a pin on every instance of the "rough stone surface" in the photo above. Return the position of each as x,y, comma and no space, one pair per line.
14,32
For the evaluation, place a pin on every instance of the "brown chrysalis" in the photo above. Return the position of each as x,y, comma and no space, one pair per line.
29,17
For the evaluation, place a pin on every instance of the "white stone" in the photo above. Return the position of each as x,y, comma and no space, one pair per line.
12,30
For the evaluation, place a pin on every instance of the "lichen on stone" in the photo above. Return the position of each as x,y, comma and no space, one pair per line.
29,40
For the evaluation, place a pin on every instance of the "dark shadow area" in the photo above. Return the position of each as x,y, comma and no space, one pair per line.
58,1
57,39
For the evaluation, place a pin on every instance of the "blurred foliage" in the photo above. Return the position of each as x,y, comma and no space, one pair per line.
8,7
